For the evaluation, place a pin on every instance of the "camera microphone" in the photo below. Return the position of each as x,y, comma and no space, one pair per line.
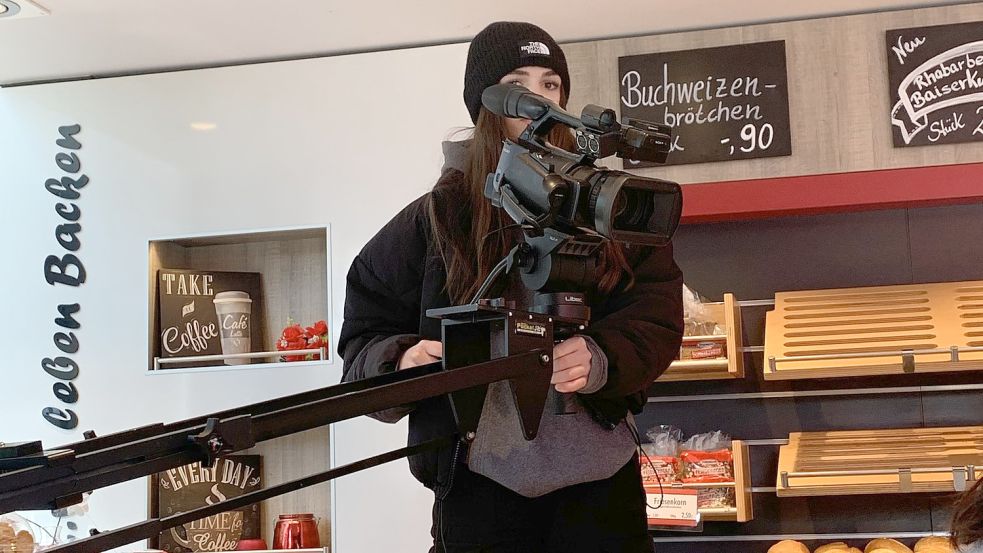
511,100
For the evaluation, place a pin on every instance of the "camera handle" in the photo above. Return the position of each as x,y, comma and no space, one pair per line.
552,256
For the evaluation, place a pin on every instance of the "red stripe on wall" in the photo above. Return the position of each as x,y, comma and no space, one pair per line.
813,194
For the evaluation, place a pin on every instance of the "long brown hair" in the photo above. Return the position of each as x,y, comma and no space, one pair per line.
464,223
967,519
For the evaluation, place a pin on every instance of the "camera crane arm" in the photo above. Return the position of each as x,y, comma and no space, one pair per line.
57,478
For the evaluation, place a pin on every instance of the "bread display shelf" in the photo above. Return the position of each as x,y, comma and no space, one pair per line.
727,313
721,515
875,331
743,510
880,461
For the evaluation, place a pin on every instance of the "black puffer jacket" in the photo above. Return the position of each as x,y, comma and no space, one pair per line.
399,274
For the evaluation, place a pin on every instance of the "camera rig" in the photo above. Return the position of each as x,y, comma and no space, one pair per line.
567,209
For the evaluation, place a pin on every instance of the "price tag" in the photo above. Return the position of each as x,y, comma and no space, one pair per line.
677,507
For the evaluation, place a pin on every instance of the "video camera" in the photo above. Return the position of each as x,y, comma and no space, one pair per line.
564,202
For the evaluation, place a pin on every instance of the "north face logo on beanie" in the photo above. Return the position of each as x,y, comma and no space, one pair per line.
532,47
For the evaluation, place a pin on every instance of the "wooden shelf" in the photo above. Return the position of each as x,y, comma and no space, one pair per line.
727,312
695,486
875,331
880,461
742,482
743,510
720,515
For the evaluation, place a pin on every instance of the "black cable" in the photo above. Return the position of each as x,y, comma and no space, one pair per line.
498,230
442,496
490,279
496,270
641,453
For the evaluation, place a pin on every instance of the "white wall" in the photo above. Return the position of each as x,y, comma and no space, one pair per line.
345,141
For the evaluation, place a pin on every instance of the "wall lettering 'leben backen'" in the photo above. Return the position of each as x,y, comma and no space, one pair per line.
66,270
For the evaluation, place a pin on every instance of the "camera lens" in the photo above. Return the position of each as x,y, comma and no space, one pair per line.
633,210
620,204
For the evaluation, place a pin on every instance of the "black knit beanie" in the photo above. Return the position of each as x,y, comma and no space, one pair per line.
502,47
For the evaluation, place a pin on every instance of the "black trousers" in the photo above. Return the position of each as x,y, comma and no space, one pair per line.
479,515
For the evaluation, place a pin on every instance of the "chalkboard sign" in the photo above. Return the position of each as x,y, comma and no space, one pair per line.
207,313
936,83
192,486
723,103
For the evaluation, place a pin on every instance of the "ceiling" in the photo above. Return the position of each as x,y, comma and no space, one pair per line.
82,38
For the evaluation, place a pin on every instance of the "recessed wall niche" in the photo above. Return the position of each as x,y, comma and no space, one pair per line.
221,301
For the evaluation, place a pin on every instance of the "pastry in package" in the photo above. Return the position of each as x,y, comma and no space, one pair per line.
660,457
659,469
704,349
716,498
707,466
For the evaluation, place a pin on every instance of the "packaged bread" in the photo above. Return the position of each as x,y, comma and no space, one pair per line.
788,546
660,461
716,498
703,349
889,546
14,538
707,458
659,469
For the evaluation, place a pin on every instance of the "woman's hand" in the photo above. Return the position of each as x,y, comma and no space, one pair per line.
424,352
571,365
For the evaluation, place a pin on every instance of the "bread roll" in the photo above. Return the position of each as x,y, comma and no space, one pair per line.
890,545
7,531
937,549
833,547
788,546
24,541
934,544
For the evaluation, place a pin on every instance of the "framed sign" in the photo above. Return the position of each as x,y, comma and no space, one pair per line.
723,103
207,313
936,84
191,486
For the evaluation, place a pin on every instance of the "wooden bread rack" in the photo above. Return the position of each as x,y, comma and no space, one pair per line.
743,510
875,331
880,461
728,314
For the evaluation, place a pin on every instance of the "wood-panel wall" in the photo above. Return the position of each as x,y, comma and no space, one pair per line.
839,103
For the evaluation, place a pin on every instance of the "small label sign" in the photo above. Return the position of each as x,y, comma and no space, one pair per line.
677,507
534,329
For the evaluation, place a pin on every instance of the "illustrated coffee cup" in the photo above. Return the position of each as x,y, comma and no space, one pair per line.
233,310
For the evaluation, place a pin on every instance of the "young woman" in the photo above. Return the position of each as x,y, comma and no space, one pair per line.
967,521
577,486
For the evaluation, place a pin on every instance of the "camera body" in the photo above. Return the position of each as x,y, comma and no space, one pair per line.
542,186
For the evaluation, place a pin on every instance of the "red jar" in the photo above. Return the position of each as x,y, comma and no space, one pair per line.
296,532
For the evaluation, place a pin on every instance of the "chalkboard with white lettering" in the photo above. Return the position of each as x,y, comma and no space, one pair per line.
192,486
207,313
936,84
724,103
